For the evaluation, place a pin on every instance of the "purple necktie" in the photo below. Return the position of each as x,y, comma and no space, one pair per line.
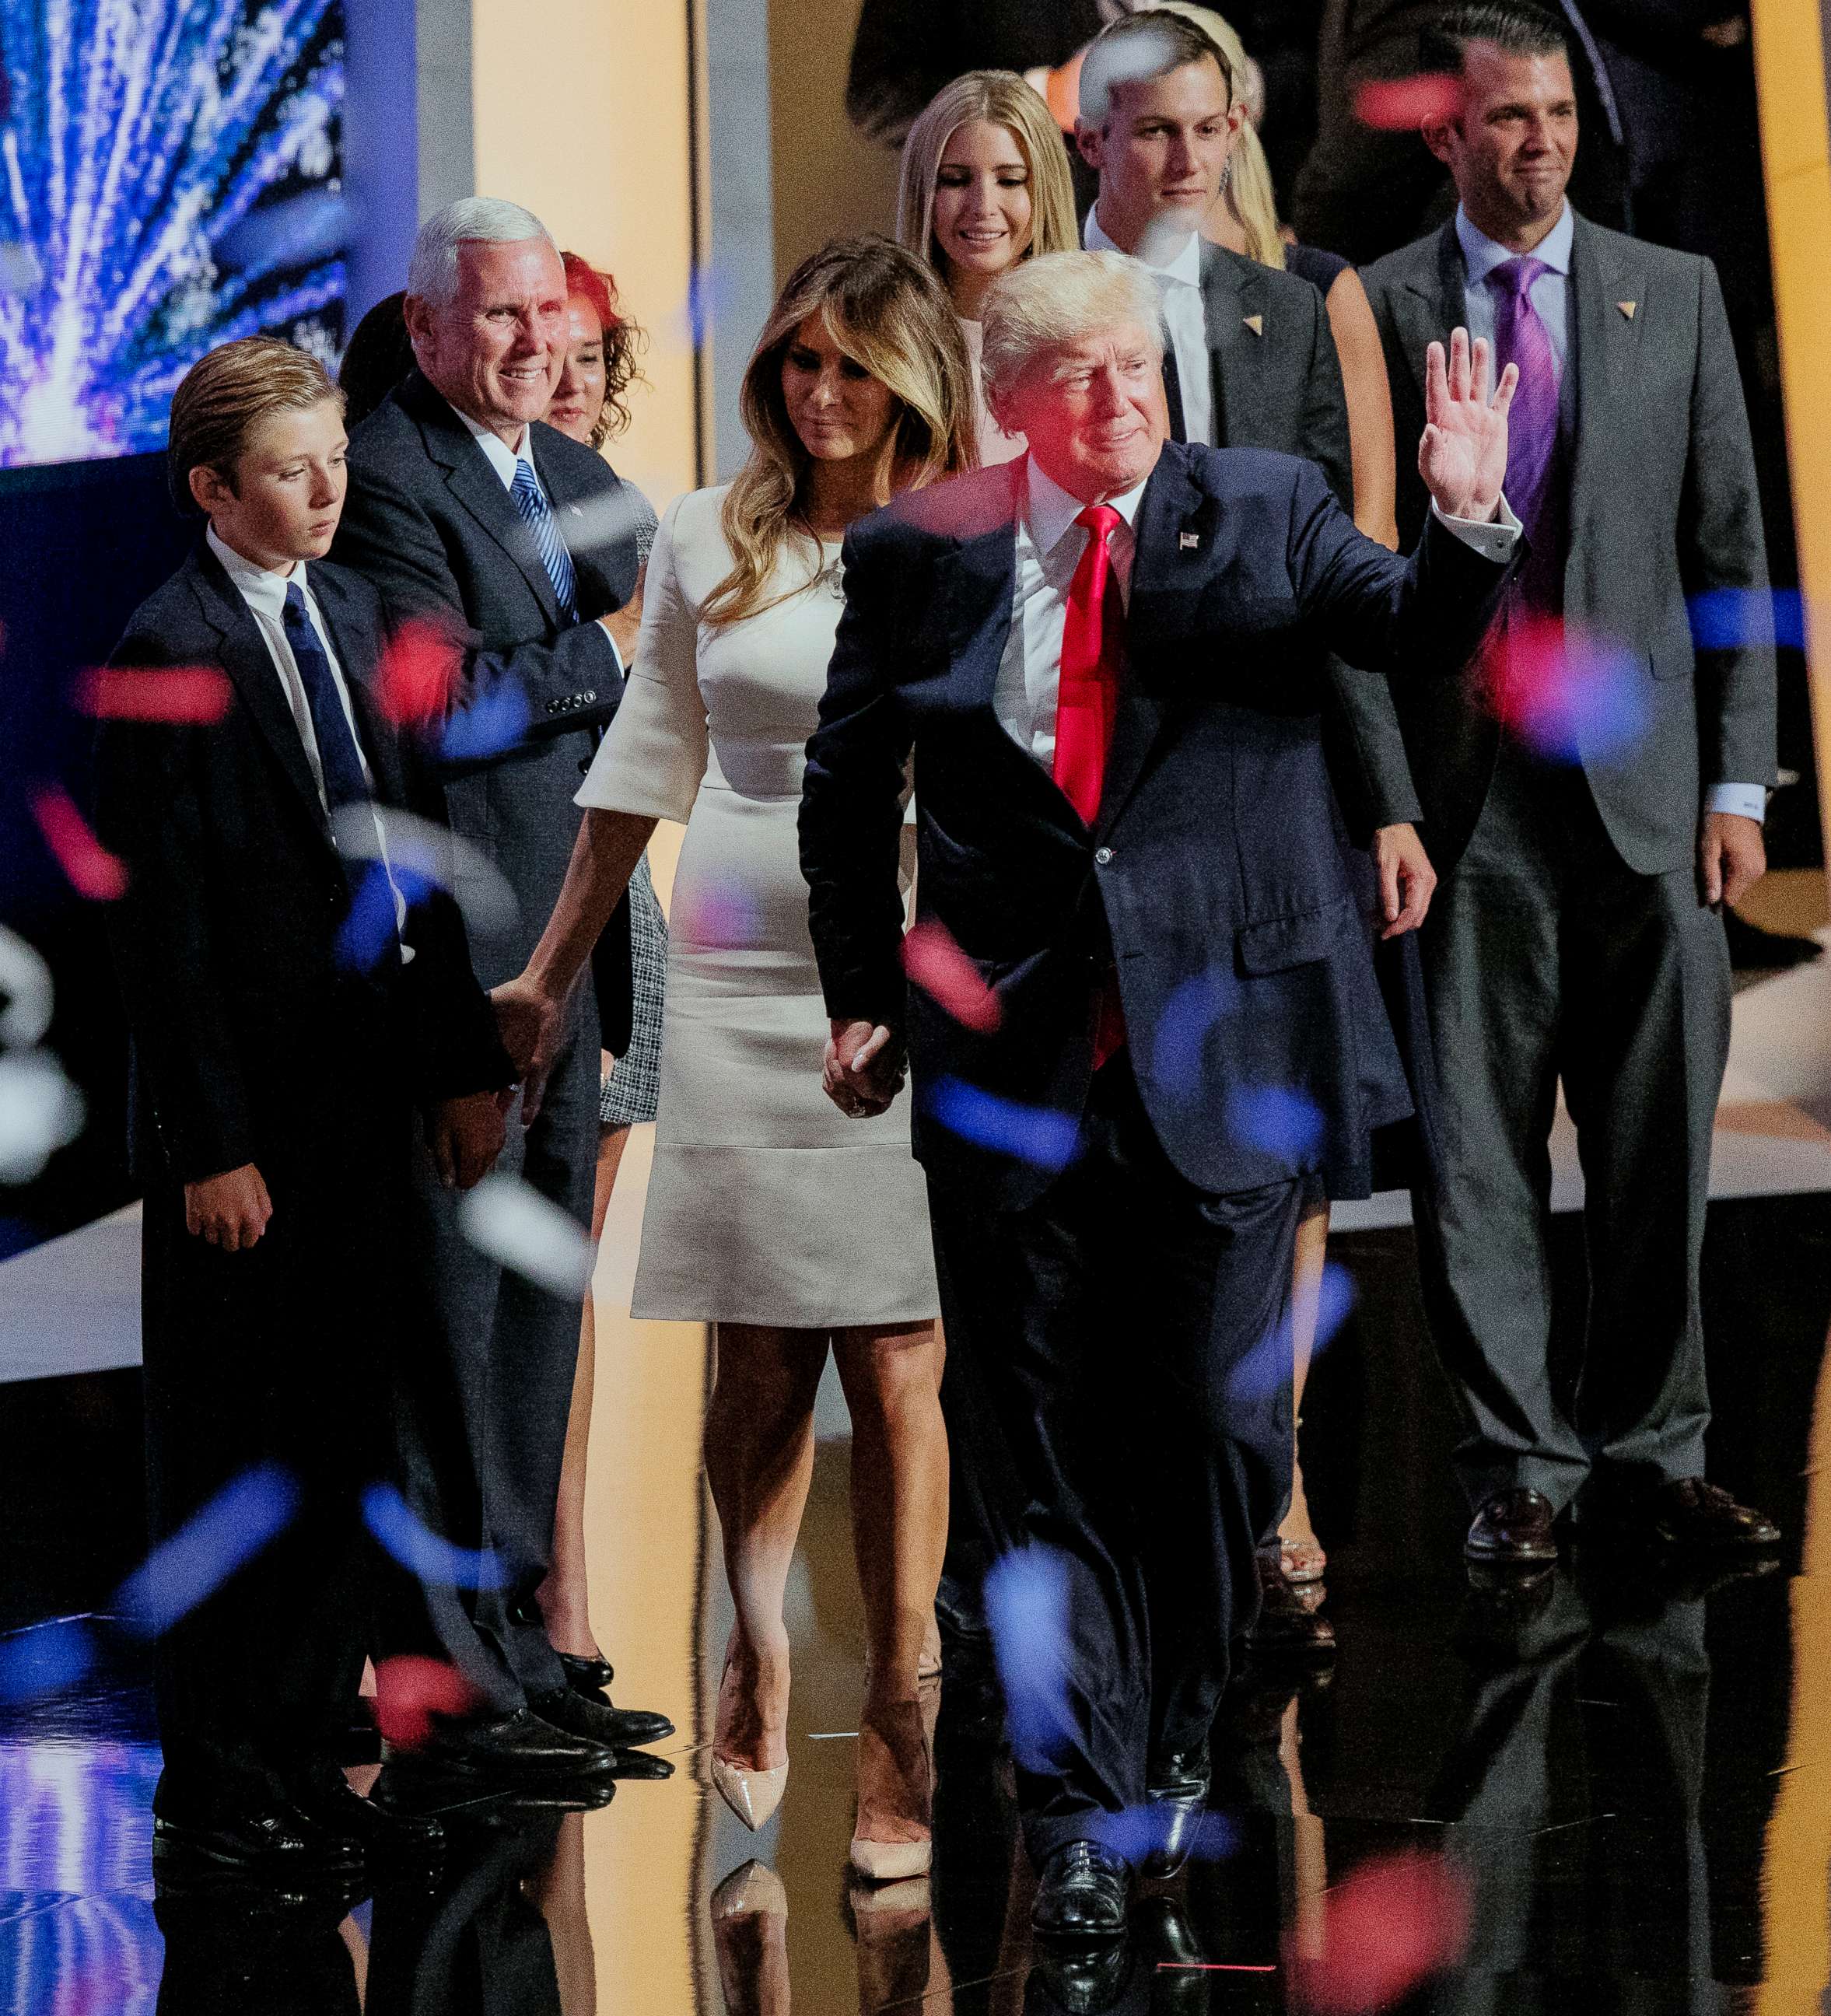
1532,426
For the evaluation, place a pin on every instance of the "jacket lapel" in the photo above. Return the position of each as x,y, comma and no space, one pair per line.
1233,294
1431,304
1603,276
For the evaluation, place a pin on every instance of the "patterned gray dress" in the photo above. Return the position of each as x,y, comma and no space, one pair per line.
627,1095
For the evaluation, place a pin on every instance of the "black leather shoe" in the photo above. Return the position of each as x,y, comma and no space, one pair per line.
278,1841
1287,1626
1082,1891
1177,1961
1691,1516
617,1728
1080,1981
513,1748
588,1677
1176,1785
1513,1529
381,1833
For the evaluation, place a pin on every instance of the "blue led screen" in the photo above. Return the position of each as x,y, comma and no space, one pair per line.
170,179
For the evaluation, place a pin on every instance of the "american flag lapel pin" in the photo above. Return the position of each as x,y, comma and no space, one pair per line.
1189,542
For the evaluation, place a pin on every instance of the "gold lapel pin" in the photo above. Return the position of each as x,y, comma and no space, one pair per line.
1189,541
1255,323
1627,309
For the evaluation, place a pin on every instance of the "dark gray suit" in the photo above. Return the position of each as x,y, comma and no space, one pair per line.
433,525
1568,939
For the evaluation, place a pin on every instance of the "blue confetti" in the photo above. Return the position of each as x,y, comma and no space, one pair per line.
433,1561
1192,1011
1038,1135
1723,617
494,722
1277,1119
44,1660
1267,1367
242,1518
1577,699
368,934
1141,1831
1025,1598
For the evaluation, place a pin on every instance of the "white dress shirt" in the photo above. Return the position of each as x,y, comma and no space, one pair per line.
1550,301
264,593
1179,281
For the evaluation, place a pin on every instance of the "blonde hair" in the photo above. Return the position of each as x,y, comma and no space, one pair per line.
225,395
1001,98
888,311
1250,184
1046,303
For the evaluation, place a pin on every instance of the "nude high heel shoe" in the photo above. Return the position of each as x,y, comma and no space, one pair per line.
753,1793
905,1754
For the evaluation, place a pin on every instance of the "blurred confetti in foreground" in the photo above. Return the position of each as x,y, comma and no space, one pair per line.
1193,1011
1141,1831
526,1232
493,721
1569,698
418,675
1038,1135
88,866
410,1691
1269,1364
1391,1925
369,932
25,980
723,915
1723,617
1026,1599
425,1554
243,1518
40,1111
1402,104
1277,1120
937,965
178,693
428,856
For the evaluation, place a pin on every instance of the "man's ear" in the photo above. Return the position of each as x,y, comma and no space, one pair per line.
418,317
1436,134
207,488
1088,143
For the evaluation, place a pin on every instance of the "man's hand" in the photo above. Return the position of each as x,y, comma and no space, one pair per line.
1407,879
532,1023
1731,857
1463,456
230,1210
624,626
864,1069
466,1137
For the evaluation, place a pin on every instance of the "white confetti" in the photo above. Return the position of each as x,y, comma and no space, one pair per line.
523,1231
433,853
40,1111
25,979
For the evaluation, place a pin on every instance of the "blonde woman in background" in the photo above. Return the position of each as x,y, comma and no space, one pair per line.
791,1229
984,183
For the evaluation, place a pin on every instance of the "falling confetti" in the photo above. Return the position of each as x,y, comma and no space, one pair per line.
182,693
1723,617
241,1519
40,1111
410,1691
1277,1119
1268,1366
1402,104
370,933
25,980
522,1230
418,675
1038,1135
494,721
88,866
429,857
1026,1599
937,965
1569,697
1141,1831
394,1523
1389,1926
1192,1012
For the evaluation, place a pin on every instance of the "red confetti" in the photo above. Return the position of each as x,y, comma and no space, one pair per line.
1401,105
938,966
418,676
92,870
410,1691
1391,1924
179,693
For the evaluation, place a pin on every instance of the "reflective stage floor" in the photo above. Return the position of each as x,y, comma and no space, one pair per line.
1608,1792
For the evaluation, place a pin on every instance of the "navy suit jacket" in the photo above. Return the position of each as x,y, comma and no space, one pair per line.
246,1026
1213,877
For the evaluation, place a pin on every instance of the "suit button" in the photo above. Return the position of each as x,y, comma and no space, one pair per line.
1102,855
584,766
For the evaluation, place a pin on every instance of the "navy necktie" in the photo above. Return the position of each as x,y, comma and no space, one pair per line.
337,758
537,515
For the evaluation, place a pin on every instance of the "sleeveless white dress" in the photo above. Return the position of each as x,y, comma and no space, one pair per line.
766,1204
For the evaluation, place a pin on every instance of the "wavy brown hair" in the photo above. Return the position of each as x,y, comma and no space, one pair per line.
889,313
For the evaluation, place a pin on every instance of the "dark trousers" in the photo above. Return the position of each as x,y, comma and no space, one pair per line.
1130,1337
1546,957
274,1355
483,1401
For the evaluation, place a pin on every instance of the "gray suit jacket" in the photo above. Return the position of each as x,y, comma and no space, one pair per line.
1663,505
1277,384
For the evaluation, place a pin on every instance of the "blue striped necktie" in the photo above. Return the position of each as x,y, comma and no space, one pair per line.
537,515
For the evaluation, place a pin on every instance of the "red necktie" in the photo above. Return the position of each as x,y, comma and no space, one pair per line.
1093,648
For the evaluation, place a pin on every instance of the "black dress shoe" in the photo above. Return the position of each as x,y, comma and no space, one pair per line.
617,1728
1177,1961
1692,1517
514,1747
380,1832
1287,1627
1083,1981
588,1677
1177,1784
1082,1891
277,1841
1513,1529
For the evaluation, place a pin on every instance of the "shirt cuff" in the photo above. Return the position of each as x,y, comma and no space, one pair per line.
1494,539
1745,800
622,669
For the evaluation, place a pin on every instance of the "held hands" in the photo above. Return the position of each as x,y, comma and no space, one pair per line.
1463,456
466,1137
1732,857
864,1070
1407,879
531,1023
230,1210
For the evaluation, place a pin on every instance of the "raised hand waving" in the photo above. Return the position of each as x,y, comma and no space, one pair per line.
1463,457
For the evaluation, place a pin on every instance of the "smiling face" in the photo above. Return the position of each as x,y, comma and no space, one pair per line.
578,399
1162,153
288,489
1093,410
496,349
1512,147
981,219
840,411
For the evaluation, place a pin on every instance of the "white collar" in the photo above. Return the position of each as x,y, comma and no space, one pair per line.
1481,254
1050,511
257,584
501,457
1185,266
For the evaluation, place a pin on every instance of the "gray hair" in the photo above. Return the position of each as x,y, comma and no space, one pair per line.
1062,297
432,275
